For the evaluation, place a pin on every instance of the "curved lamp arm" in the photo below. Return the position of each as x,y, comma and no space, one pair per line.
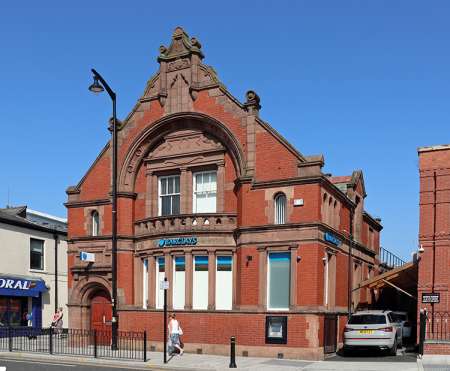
104,83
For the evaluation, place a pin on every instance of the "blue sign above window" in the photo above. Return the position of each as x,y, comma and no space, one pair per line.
332,238
180,241
16,286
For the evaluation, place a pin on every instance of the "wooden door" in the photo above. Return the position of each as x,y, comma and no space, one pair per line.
101,314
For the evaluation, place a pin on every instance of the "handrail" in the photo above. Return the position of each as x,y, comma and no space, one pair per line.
389,260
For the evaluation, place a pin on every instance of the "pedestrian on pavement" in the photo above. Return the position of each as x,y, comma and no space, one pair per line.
175,332
57,321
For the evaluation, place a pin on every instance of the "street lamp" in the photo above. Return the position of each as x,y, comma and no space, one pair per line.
98,86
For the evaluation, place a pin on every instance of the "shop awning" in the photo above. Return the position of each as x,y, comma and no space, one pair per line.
21,285
403,279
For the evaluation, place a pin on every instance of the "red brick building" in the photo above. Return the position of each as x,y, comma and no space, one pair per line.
434,240
253,237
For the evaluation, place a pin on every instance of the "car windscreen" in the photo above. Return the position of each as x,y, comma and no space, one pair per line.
367,319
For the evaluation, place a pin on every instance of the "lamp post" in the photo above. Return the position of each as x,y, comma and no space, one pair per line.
98,86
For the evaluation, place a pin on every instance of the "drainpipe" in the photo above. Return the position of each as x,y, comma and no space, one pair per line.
434,242
350,265
55,236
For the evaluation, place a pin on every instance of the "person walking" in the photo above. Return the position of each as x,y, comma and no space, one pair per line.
175,332
57,321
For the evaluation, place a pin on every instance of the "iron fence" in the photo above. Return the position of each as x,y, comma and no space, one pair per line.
76,342
389,260
438,326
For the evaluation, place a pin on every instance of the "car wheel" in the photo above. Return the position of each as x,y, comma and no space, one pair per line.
345,351
393,350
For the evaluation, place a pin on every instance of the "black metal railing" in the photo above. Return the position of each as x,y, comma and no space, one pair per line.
389,260
438,326
84,343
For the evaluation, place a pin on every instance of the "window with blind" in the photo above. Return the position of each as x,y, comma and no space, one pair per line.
160,274
144,283
280,208
278,280
36,254
205,192
169,195
179,279
224,283
200,283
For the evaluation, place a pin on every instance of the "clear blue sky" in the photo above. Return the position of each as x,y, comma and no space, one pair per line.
363,82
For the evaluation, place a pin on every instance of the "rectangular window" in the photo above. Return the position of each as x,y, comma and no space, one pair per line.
179,279
36,254
200,283
145,283
224,283
327,282
160,274
205,192
279,280
169,195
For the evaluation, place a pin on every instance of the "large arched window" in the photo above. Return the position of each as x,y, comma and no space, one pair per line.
280,208
95,223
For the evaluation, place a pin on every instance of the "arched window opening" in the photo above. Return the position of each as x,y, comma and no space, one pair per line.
95,223
280,208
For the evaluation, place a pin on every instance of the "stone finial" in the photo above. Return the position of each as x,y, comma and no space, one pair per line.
181,46
252,103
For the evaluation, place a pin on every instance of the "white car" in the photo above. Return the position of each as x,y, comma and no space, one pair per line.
373,328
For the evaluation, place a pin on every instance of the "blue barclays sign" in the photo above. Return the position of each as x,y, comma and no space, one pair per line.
332,239
180,241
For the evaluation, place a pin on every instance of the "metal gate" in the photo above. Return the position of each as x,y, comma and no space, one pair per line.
330,333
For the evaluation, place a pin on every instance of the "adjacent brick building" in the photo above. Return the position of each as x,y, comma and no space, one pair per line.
252,235
434,240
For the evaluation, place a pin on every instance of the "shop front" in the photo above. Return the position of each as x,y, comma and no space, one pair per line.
21,296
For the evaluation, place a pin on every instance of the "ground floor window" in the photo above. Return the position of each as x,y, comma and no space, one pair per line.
160,274
200,283
13,311
278,280
145,283
224,283
179,279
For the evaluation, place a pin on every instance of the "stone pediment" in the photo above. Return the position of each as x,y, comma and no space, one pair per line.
186,142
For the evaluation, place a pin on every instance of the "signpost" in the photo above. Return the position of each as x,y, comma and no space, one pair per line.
431,298
164,285
87,256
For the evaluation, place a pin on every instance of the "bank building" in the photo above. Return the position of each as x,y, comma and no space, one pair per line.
252,236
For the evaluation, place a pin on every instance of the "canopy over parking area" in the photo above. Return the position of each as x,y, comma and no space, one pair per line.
402,279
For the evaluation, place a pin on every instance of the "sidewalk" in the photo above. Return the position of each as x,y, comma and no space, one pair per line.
190,362
434,363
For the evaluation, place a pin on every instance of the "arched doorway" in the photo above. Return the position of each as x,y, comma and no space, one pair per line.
101,311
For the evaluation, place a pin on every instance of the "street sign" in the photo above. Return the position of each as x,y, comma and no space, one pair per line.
87,256
430,298
164,285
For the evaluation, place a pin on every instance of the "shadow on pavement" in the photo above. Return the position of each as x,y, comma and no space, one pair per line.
372,355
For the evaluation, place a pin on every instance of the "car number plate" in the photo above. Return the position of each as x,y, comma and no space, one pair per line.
366,331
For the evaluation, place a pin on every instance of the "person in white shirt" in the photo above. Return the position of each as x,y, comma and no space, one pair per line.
175,332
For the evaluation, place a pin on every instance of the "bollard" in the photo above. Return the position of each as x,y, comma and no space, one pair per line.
232,352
